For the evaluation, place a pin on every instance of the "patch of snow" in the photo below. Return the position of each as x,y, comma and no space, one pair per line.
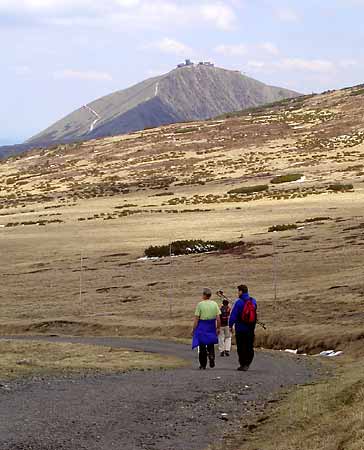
301,180
294,352
330,353
147,258
98,117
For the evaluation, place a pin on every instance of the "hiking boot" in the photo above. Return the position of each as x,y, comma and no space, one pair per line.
243,368
212,361
222,354
202,368
227,353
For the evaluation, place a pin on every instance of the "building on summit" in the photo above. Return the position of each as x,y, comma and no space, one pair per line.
189,63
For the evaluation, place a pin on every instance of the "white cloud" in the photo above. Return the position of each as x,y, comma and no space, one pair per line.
287,15
219,13
168,45
257,65
82,75
232,50
349,63
269,48
293,65
22,71
311,65
121,14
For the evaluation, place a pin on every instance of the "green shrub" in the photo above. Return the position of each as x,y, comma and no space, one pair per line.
249,189
289,226
187,247
339,187
287,178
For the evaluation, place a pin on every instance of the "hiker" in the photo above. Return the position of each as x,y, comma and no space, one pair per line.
225,334
244,318
206,328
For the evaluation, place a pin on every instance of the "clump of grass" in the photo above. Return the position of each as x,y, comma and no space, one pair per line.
186,130
316,219
127,205
339,187
321,416
187,247
287,178
249,189
22,359
357,92
163,194
285,227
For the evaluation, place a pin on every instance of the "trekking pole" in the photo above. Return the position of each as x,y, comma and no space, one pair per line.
224,297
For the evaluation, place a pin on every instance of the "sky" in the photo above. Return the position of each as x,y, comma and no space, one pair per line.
57,55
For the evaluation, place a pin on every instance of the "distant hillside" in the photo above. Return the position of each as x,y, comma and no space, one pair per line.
11,150
309,145
185,94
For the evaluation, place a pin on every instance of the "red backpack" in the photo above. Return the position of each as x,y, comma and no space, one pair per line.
249,314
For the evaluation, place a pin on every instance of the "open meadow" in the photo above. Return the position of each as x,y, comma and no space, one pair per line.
298,163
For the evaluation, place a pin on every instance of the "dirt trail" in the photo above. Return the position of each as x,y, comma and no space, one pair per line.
167,410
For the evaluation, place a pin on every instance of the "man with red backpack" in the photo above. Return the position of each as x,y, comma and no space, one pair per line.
244,318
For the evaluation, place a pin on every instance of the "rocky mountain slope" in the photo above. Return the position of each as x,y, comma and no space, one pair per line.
319,136
192,92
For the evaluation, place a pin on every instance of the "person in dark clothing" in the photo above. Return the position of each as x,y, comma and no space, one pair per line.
225,335
244,329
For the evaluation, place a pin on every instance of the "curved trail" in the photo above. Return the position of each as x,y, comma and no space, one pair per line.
163,410
97,115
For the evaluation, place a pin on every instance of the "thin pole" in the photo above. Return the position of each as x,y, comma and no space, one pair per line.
171,274
275,275
81,269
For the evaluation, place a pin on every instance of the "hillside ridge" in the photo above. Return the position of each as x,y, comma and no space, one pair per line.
184,94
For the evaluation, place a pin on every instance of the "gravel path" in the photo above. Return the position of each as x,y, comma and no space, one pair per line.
158,410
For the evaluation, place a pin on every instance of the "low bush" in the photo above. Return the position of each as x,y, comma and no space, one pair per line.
163,194
187,247
287,178
357,92
289,226
317,219
338,187
249,189
186,130
127,205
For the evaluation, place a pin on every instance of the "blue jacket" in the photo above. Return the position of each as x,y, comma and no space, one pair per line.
205,333
236,313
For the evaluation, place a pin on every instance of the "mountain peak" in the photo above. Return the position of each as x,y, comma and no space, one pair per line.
188,92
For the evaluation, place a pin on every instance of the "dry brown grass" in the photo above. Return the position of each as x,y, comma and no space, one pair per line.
319,300
319,274
22,359
324,416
